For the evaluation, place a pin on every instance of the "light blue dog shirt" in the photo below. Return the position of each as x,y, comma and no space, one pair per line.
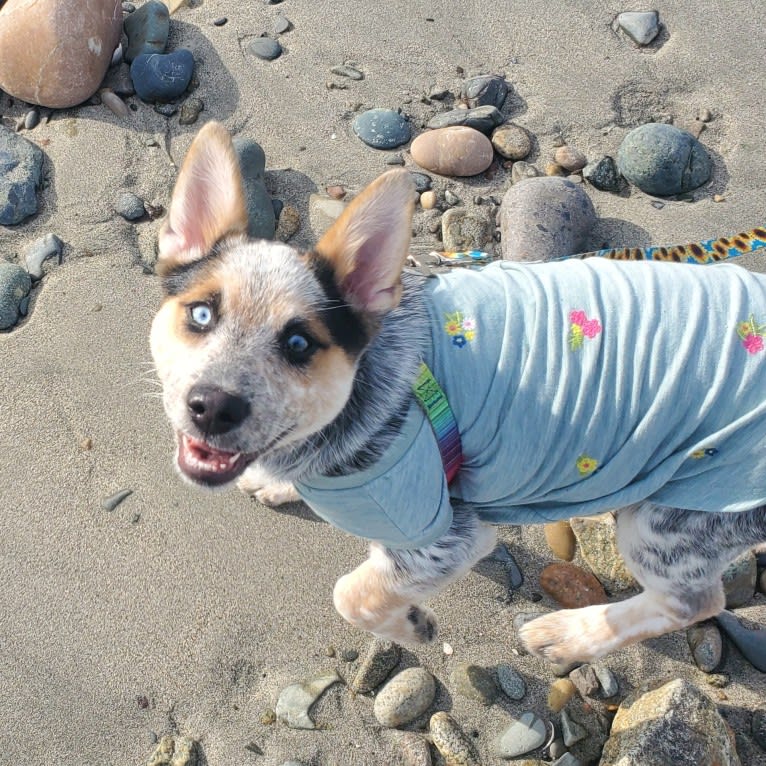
578,387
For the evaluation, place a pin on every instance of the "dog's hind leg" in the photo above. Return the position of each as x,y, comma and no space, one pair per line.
677,556
384,595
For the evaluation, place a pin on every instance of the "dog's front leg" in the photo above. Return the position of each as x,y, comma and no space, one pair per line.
384,595
266,489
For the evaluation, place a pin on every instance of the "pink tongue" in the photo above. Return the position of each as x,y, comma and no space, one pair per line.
197,452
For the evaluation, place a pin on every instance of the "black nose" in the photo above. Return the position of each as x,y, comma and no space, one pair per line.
214,411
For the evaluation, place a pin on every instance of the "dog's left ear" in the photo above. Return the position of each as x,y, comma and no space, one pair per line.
208,200
369,243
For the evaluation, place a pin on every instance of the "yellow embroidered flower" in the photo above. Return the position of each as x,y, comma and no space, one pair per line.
454,324
470,334
576,337
586,465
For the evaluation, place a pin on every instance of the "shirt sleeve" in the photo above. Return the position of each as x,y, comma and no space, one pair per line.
400,502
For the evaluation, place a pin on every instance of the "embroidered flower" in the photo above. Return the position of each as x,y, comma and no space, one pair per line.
461,329
586,465
698,454
752,335
580,328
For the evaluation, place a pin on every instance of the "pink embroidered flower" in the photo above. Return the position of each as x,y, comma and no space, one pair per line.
578,317
469,323
591,328
753,343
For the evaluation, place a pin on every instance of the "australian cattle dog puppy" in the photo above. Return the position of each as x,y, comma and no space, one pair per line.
419,413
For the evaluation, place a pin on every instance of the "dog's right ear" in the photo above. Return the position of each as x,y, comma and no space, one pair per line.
208,200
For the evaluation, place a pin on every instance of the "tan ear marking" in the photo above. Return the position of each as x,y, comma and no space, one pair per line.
369,243
208,201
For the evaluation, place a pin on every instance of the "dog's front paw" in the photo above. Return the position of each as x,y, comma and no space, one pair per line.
563,637
272,493
413,625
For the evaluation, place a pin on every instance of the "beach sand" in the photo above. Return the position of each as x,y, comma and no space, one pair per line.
185,612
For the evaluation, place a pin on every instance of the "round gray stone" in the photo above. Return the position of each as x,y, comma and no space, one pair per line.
663,160
20,173
260,210
706,646
15,284
130,206
422,181
522,736
545,218
147,30
265,48
382,128
405,697
511,682
162,76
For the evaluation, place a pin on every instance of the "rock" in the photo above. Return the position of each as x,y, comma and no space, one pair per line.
405,697
482,118
382,128
567,760
110,503
46,59
381,658
147,30
288,225
296,700
114,103
597,540
453,745
15,284
511,682
561,539
344,70
641,27
414,749
466,230
162,77
758,727
174,751
349,655
190,111
130,206
336,192
752,643
522,170
522,736
739,580
504,557
39,252
451,198
571,730
586,680
512,141
261,221
570,159
484,90
422,181
265,48
544,218
21,165
706,646
661,159
282,25
457,151
428,200
602,174
571,586
31,119
118,80
323,212
609,685
474,682
560,693
674,724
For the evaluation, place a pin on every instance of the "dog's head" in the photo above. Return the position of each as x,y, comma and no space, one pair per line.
256,343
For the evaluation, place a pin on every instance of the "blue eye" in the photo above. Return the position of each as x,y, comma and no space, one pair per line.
297,347
297,344
201,315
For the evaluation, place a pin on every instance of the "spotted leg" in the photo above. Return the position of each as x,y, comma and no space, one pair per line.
384,595
677,556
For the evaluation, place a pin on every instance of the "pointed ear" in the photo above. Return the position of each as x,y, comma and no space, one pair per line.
208,200
369,243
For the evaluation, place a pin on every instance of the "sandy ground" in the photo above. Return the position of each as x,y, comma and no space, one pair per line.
207,605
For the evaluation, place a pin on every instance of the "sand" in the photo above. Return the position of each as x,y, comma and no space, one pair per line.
188,612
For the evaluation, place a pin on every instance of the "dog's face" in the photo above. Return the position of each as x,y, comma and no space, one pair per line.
256,343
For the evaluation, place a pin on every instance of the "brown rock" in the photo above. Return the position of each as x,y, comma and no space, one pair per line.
453,151
571,586
552,169
512,141
560,693
55,52
570,159
561,539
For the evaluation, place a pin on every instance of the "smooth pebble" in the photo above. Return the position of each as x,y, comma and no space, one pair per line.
162,76
641,26
110,503
296,700
282,25
523,735
706,646
561,539
15,284
344,70
451,742
484,90
751,642
382,128
190,111
414,749
562,690
512,141
147,30
457,151
260,212
428,200
405,697
474,682
511,682
39,252
130,206
20,174
570,159
571,731
265,48
482,118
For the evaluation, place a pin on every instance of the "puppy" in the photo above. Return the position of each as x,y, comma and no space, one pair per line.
418,413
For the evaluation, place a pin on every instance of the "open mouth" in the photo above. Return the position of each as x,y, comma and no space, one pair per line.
207,465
